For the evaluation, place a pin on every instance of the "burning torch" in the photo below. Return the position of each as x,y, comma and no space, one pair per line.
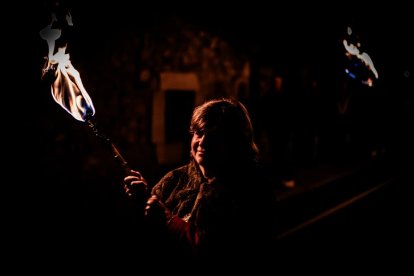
66,85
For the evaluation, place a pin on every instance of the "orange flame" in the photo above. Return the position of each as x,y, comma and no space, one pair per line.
67,88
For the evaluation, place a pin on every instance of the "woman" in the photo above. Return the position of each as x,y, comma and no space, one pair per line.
216,209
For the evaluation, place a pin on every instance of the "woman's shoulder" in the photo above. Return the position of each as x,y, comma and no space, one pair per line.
173,178
178,172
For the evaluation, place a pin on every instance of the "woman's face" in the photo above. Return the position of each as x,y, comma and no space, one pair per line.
210,149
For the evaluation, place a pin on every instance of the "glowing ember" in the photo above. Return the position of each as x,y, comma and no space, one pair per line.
67,88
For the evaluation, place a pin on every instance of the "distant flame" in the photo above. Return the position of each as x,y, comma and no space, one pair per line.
67,88
360,58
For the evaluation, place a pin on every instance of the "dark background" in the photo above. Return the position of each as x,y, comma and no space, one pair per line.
50,194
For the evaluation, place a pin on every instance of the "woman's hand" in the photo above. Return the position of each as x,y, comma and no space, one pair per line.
135,186
156,211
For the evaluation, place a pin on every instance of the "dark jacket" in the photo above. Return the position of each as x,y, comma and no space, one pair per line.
227,220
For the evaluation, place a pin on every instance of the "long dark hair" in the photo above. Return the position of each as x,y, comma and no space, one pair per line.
233,121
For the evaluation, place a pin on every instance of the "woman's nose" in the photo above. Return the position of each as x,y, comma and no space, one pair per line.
202,140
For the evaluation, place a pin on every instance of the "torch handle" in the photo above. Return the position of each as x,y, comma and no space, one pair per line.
120,158
117,155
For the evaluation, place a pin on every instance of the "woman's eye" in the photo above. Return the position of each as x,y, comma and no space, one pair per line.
198,133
